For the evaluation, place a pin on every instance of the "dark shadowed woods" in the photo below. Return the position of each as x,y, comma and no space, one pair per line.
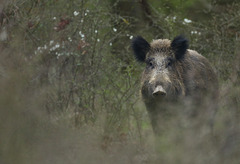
70,83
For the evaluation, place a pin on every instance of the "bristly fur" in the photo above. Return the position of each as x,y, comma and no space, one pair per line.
140,48
179,46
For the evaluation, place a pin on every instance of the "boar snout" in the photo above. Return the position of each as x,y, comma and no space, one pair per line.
159,92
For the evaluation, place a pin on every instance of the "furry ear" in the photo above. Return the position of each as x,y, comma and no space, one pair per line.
140,48
179,46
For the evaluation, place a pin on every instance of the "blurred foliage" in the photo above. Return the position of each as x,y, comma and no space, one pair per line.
69,82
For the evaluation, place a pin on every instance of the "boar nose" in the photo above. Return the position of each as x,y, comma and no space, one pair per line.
159,91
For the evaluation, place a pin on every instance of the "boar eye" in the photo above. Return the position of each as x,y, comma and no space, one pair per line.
150,63
169,62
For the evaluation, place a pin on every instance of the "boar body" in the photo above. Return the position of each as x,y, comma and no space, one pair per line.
174,76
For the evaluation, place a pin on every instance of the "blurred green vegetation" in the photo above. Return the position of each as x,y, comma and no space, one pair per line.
70,84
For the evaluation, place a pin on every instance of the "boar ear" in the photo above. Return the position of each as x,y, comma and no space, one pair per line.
179,46
140,48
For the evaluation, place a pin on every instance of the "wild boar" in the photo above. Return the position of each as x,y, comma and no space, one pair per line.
173,73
